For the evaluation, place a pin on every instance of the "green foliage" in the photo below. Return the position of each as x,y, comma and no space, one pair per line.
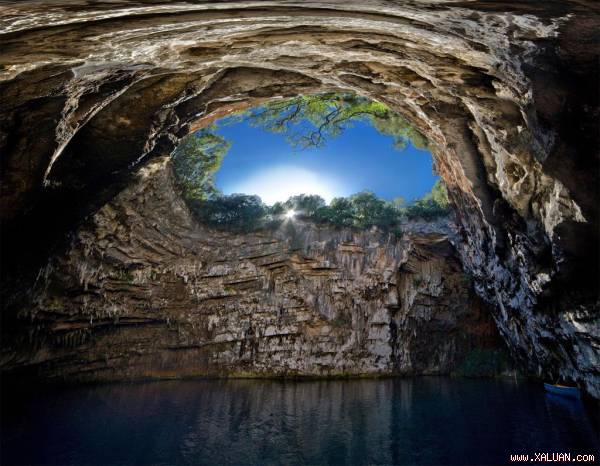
278,208
309,120
399,202
237,212
196,160
400,129
369,210
339,213
433,205
439,195
364,210
304,204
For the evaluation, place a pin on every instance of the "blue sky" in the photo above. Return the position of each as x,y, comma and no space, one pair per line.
360,158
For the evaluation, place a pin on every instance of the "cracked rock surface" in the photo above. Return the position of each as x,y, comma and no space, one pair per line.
145,291
507,93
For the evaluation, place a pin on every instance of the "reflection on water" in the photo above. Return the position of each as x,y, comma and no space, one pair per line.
428,420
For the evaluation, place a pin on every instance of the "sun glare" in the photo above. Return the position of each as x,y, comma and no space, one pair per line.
290,214
280,183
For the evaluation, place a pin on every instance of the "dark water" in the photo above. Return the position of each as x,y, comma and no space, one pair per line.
426,420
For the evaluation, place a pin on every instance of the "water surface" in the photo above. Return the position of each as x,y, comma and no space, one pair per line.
427,420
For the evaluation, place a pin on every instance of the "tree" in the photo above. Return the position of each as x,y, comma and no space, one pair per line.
399,202
400,129
309,120
434,204
368,210
196,160
364,210
305,204
278,208
338,213
239,212
438,194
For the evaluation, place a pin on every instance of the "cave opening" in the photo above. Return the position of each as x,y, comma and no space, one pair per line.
107,274
332,158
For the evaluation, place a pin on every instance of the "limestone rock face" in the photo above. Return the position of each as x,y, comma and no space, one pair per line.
507,93
146,291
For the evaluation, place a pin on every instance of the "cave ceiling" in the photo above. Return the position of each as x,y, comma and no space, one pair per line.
506,92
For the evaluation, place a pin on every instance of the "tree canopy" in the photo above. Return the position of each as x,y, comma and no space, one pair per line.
310,120
237,212
364,210
307,204
307,121
196,160
434,204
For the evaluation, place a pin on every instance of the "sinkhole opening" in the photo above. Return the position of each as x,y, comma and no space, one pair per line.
335,159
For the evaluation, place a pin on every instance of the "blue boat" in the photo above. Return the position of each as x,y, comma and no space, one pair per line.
563,390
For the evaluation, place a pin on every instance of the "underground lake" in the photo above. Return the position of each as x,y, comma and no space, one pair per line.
299,232
421,420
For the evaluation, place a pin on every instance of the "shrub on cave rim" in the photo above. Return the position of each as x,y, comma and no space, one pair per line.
307,121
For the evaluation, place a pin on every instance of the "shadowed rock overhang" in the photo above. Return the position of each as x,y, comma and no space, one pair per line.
507,93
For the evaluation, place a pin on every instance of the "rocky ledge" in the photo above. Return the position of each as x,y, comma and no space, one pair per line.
506,92
145,291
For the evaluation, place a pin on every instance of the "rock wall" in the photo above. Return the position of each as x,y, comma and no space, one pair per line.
507,93
145,291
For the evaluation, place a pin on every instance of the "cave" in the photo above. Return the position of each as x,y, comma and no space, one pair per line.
96,96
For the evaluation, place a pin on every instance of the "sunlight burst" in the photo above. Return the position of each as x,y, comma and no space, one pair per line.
280,183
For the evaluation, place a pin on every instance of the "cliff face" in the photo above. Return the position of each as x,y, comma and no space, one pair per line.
507,93
146,291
